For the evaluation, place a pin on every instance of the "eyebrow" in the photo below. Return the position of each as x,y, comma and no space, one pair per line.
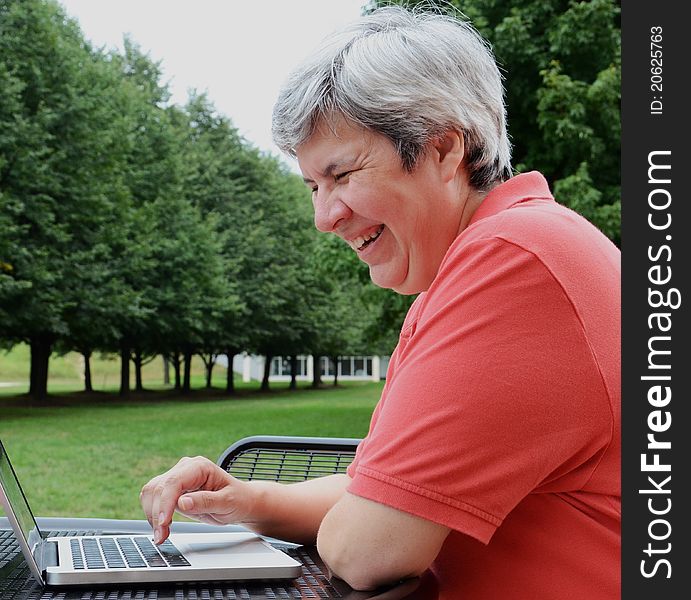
330,169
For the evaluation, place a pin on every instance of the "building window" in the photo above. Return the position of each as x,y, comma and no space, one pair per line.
355,366
280,366
277,366
327,366
345,366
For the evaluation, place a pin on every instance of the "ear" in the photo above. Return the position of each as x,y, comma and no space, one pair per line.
450,150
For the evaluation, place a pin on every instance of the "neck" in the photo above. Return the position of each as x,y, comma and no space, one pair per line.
471,202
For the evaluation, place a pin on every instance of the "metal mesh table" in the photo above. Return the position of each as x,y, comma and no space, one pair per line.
274,458
16,582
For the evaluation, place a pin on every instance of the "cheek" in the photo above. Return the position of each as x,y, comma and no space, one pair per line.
423,226
405,214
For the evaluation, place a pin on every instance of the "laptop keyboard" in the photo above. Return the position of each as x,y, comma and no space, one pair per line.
133,552
9,549
16,582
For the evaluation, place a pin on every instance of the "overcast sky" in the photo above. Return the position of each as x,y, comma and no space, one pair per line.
238,51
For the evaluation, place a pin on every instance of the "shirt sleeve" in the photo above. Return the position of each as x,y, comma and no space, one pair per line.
494,395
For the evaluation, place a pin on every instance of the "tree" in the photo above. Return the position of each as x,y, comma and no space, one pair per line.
338,303
262,218
188,289
562,62
213,182
152,172
14,131
57,178
279,290
130,226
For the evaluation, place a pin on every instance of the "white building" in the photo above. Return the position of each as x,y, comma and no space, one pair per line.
350,368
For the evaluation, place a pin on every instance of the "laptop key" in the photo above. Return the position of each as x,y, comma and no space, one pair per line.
77,560
173,555
92,554
111,553
129,551
152,557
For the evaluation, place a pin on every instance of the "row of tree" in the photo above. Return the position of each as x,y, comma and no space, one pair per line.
134,226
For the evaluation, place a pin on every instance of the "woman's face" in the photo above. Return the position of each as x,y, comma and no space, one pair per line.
401,224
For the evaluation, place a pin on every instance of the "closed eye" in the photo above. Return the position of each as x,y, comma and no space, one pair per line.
341,176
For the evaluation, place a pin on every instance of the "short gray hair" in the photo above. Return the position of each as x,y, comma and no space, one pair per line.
410,76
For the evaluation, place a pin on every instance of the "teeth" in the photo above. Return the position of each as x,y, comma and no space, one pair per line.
359,242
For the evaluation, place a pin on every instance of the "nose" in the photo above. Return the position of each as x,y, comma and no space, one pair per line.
329,210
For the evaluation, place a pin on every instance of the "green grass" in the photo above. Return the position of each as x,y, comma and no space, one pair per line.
88,455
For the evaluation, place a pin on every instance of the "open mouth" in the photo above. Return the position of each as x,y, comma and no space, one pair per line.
361,243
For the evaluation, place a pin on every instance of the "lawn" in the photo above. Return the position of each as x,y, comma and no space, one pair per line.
88,456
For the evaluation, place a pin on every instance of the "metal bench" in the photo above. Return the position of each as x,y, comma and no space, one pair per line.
287,459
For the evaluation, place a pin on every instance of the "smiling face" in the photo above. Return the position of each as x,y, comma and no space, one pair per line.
401,224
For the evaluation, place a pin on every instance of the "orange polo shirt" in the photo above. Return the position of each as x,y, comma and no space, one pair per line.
500,417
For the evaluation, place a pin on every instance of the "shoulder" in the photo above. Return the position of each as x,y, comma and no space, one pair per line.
538,232
538,224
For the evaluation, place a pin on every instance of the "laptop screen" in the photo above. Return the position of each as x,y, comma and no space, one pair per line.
15,502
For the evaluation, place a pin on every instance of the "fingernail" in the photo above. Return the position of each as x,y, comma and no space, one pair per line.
157,536
185,503
161,519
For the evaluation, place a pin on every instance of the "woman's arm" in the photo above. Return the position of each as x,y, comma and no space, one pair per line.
369,544
201,490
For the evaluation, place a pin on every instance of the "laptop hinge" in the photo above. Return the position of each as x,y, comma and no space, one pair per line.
46,555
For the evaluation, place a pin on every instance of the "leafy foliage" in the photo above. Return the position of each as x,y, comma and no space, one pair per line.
58,182
131,226
562,65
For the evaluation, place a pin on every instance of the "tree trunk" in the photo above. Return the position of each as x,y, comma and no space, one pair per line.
176,369
316,371
267,370
209,372
88,387
166,370
209,367
124,370
230,381
137,358
293,372
40,356
186,383
335,362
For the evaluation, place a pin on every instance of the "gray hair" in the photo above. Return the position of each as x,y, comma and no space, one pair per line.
410,76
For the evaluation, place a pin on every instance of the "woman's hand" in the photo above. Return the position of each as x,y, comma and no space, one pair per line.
198,489
201,490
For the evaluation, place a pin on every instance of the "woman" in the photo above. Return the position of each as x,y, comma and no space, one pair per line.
493,455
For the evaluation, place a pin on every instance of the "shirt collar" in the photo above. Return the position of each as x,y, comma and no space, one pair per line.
519,188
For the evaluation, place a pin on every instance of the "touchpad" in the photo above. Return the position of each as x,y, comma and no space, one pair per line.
235,547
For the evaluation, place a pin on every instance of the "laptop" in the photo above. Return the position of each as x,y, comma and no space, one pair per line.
129,558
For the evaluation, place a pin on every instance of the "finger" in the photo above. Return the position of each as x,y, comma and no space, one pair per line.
149,496
146,496
164,500
222,505
161,533
213,508
199,503
188,474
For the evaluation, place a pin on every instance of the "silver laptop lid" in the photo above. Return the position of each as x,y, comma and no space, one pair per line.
19,514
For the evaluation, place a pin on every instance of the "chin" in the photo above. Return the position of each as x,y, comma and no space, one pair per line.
383,280
403,285
408,290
